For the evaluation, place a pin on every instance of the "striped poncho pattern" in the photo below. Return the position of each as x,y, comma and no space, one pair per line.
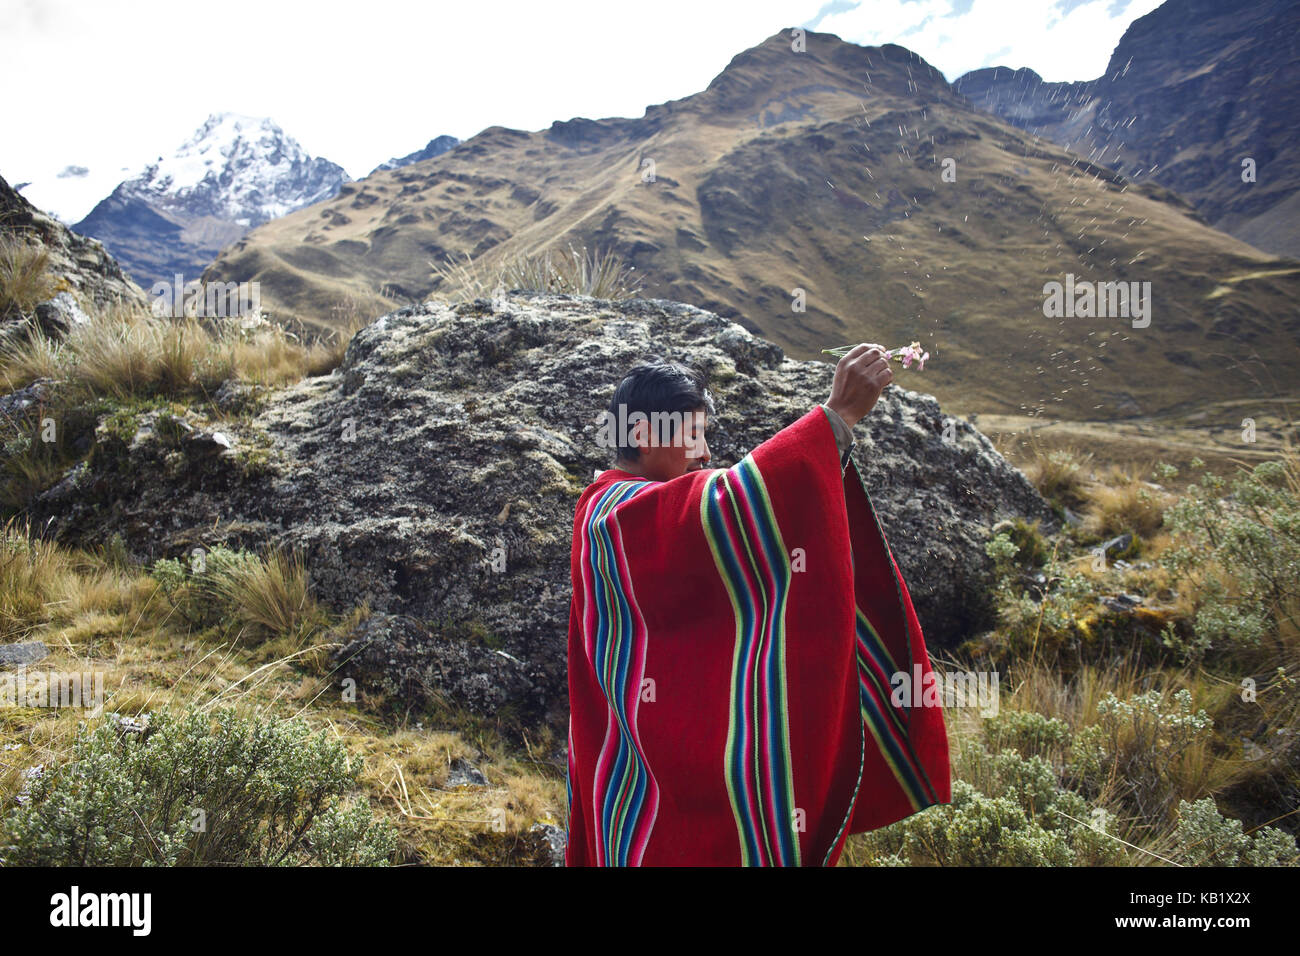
732,639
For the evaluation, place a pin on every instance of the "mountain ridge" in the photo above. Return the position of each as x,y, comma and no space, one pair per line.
1192,89
435,147
822,171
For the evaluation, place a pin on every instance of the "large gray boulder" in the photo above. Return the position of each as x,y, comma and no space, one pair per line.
450,432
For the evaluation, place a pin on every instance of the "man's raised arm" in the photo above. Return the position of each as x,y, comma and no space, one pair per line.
860,377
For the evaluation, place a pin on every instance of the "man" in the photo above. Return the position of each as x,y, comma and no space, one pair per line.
733,636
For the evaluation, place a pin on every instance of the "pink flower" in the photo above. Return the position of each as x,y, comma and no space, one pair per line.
908,353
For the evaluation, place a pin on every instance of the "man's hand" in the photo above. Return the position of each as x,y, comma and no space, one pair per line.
860,377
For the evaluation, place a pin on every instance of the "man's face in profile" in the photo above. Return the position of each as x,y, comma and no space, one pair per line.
696,447
687,451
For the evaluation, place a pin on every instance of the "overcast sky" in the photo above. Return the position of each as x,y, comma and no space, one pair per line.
111,84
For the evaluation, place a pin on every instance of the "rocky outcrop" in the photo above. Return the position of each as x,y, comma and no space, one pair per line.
77,264
434,477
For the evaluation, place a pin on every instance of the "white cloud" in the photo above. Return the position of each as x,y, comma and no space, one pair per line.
1040,34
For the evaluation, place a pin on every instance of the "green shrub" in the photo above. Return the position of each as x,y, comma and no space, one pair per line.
1033,549
1023,814
194,789
1206,838
1026,818
1041,627
1238,546
198,585
979,830
1027,732
1139,747
1003,551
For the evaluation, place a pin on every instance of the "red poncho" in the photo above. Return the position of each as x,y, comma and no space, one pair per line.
732,639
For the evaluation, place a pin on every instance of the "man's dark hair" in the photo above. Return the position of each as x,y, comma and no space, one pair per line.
658,386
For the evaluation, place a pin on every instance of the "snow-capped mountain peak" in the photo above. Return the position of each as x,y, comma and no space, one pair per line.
238,167
234,173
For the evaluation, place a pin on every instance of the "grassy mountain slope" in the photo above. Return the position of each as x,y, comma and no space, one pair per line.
823,171
1193,88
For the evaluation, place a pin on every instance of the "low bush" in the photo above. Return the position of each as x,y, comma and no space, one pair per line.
195,788
1237,547
1205,837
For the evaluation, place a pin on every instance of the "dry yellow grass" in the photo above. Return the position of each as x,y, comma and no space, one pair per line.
271,596
1124,502
1058,474
126,352
602,275
25,279
24,361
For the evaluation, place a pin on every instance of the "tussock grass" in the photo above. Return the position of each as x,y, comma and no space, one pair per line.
270,595
286,361
601,275
1112,500
126,353
266,598
44,584
25,279
33,577
28,472
24,361
1059,474
1124,502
